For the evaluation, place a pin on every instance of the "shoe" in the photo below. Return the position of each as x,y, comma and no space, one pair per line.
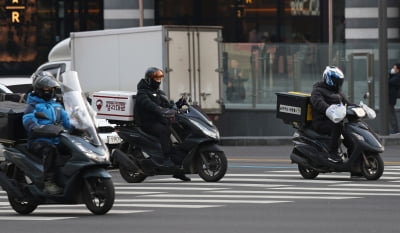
334,157
51,188
181,176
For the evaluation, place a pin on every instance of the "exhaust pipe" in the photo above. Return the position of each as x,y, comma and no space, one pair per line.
300,160
125,161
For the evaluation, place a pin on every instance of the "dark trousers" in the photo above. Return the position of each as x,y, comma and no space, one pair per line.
332,129
49,154
162,132
394,128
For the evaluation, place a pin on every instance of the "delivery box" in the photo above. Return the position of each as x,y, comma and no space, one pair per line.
114,105
293,107
11,121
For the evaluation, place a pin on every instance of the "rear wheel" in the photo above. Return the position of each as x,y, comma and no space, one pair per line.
307,173
98,194
212,166
25,205
372,166
131,175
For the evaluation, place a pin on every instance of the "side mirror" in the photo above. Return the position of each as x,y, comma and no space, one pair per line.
41,115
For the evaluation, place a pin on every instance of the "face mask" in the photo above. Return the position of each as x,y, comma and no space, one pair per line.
392,71
48,95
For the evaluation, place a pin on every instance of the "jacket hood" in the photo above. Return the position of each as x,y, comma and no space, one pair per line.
32,98
143,84
322,84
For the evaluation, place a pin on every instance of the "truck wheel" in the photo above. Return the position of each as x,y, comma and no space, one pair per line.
307,173
212,166
98,194
22,206
131,176
372,169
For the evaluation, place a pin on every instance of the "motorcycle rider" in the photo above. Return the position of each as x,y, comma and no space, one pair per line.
324,94
42,99
152,112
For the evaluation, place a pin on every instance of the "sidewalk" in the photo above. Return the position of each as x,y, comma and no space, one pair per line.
285,140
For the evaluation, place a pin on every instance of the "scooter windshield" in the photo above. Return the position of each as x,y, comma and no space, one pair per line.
79,111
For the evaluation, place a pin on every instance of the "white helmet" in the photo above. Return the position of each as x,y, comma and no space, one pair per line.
333,77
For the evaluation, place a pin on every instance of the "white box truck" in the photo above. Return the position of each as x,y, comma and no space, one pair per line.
117,59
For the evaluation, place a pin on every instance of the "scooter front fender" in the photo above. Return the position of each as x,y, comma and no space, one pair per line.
367,139
96,172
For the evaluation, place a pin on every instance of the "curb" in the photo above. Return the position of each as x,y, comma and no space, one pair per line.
285,140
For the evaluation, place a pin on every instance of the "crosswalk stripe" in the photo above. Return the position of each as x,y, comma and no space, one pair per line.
237,201
167,206
339,189
73,211
330,175
372,185
199,182
310,193
118,187
294,196
32,218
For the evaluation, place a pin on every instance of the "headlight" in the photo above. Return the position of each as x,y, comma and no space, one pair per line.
94,156
212,133
359,137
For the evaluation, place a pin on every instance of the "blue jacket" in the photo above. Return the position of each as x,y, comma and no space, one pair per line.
53,110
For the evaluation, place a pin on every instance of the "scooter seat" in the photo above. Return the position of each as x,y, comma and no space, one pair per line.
313,134
23,148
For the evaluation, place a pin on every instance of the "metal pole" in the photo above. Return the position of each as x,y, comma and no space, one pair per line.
330,31
141,13
383,65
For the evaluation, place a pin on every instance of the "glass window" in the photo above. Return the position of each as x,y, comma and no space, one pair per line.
29,28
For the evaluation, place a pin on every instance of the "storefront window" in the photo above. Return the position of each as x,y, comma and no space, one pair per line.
29,28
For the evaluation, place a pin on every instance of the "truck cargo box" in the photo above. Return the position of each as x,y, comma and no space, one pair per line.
11,121
114,105
293,107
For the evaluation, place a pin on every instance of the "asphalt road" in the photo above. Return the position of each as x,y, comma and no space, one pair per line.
261,192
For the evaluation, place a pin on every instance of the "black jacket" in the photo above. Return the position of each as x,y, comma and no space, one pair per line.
149,103
394,86
322,96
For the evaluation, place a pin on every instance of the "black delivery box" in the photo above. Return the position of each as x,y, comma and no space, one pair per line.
293,107
11,120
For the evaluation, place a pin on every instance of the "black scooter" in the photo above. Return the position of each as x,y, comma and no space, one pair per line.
362,157
195,149
82,170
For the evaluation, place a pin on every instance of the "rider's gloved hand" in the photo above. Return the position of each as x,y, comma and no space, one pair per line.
168,112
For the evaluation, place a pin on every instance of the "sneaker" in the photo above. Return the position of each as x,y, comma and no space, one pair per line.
181,176
334,158
51,188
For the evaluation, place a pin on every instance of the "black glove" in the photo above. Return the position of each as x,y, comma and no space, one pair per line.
48,131
182,101
168,113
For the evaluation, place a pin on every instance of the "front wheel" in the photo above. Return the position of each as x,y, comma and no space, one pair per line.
22,206
372,166
98,194
212,166
307,173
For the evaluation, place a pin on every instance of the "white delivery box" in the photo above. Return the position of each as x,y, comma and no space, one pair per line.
114,105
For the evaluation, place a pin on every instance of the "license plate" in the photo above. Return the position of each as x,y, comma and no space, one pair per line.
113,140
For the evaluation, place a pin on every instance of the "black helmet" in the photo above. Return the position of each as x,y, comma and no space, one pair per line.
152,73
44,85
